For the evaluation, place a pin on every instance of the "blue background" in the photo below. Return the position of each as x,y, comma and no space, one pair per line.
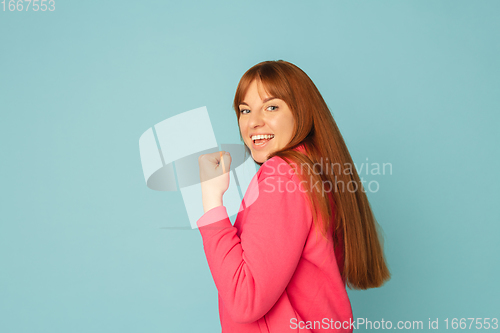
83,244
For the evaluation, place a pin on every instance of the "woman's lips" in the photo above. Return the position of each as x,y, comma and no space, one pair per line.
260,146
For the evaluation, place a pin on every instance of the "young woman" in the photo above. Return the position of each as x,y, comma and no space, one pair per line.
272,270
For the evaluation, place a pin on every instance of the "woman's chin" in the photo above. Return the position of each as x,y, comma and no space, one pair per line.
259,157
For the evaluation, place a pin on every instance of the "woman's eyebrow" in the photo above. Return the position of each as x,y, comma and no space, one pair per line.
264,101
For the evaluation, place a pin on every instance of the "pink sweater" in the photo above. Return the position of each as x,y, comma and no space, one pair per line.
273,270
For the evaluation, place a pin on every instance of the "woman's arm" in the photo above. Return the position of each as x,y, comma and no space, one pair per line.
252,272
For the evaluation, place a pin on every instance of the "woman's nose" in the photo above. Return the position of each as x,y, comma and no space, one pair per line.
255,119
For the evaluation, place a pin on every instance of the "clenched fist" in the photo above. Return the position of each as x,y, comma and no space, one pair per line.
214,177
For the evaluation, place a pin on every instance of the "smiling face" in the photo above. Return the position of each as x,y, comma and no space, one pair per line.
266,123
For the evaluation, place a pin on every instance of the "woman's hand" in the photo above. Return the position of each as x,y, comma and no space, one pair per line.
214,178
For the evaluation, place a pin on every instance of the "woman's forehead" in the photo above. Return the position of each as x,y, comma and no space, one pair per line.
262,90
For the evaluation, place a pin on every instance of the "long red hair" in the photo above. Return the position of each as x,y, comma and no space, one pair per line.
354,224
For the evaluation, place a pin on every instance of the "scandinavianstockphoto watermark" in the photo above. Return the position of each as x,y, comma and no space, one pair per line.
358,323
430,324
322,167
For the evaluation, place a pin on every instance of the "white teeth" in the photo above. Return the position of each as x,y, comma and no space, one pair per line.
257,137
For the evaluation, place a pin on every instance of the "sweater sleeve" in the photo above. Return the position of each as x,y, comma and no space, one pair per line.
252,271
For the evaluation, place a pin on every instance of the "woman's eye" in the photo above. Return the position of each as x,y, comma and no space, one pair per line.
270,108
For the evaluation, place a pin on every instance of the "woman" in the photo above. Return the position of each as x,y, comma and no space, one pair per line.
272,271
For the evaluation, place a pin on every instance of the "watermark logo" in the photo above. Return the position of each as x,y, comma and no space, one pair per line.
169,154
323,169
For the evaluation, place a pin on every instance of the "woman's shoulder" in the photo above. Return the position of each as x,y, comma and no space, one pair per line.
278,167
275,167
